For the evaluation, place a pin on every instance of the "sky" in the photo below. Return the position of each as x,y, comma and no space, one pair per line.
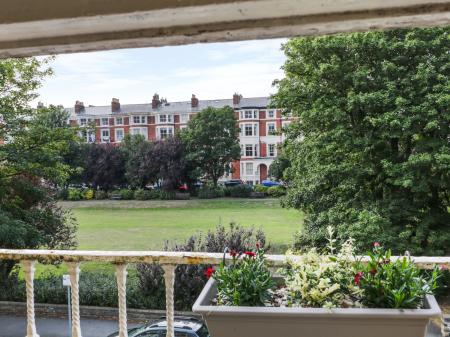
210,71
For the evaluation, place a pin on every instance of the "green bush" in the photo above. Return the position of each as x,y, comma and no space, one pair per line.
207,192
276,191
240,191
115,195
166,195
89,194
127,194
140,194
75,194
101,195
261,188
62,194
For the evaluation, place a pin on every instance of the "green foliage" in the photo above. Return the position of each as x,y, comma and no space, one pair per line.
32,163
246,282
261,188
101,195
276,191
393,284
142,194
239,191
371,153
166,195
75,194
126,194
211,142
279,166
190,280
207,192
322,280
62,194
89,194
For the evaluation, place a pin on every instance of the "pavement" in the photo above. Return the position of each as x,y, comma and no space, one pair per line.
12,326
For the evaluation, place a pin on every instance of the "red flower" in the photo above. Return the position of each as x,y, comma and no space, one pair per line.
358,277
233,253
251,254
258,245
209,272
376,244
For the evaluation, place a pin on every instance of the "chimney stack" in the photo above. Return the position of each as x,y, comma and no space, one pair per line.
236,99
79,107
155,101
194,101
40,105
115,105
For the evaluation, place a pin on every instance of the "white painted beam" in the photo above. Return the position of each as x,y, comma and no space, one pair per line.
29,27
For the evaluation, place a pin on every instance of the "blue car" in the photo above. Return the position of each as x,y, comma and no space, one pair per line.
184,327
270,183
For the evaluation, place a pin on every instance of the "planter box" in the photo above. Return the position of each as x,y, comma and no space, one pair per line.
226,321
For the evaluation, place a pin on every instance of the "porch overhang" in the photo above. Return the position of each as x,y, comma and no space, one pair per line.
29,27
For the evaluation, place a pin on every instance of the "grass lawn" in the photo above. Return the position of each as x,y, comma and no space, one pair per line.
134,225
146,225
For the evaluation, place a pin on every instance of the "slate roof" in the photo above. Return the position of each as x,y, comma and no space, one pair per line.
172,107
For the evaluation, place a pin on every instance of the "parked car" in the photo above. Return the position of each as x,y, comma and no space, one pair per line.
270,183
184,327
233,182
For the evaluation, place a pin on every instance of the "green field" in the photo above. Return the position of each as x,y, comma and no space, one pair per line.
145,225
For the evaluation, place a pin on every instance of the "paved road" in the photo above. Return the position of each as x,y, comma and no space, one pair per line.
11,326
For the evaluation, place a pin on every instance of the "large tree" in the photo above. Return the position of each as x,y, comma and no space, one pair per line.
370,151
212,142
32,162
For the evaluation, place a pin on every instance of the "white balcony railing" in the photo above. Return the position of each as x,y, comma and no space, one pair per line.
167,260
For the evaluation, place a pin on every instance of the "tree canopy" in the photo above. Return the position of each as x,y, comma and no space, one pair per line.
212,143
370,152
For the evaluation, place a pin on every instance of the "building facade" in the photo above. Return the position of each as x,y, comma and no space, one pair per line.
261,127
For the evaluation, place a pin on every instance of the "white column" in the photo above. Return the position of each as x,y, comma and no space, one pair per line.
169,278
29,269
121,275
74,271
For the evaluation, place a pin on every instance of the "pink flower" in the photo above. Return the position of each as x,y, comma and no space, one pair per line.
209,272
358,277
376,244
442,268
251,254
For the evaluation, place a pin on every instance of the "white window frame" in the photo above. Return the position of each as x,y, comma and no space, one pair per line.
82,121
119,120
184,118
143,131
140,120
102,120
249,168
268,131
249,114
116,138
274,152
271,111
105,139
169,131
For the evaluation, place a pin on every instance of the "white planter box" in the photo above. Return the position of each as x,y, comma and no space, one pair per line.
227,321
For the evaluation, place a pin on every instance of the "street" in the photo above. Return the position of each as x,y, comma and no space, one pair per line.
12,326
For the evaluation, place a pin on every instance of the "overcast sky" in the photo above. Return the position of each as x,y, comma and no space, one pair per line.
133,75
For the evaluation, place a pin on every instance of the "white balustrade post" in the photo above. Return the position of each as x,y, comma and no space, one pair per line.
169,278
74,271
29,269
121,275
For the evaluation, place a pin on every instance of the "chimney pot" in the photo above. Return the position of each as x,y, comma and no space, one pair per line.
236,99
155,101
115,105
79,107
194,101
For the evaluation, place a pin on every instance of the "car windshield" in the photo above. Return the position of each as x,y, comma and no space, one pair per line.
203,332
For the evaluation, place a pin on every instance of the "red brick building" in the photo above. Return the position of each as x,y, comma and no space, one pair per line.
261,127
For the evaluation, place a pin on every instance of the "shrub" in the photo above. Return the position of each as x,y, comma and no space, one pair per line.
261,188
276,191
140,194
127,194
101,195
62,194
246,282
89,194
166,195
240,191
190,280
74,194
115,195
207,192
